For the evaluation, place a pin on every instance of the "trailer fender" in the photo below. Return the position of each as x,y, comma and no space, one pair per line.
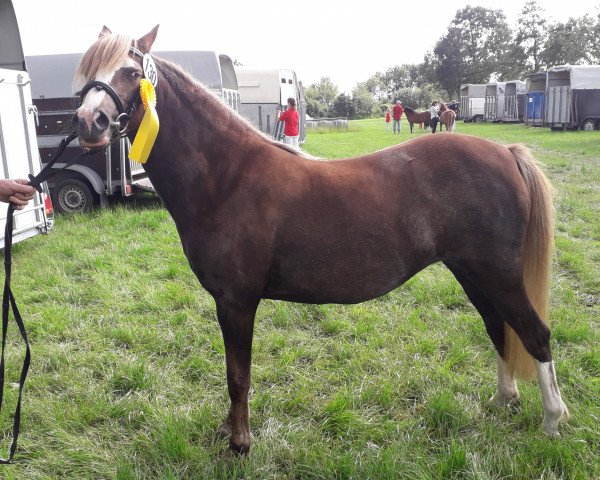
91,176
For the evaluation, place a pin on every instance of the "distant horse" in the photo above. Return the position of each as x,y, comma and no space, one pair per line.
447,117
417,117
259,220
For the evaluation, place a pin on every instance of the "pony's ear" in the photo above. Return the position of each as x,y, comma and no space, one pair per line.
145,43
105,31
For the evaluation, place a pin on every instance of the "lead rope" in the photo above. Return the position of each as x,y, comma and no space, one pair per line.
8,299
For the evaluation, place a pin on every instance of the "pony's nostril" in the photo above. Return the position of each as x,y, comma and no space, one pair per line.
101,122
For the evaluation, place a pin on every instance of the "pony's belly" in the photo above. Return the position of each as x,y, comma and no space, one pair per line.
344,287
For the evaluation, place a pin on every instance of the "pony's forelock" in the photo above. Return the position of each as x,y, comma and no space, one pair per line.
102,58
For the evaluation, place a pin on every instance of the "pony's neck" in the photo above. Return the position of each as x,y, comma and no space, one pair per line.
201,142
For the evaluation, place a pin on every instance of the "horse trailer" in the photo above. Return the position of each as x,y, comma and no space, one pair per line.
494,101
535,99
19,154
472,102
573,97
93,179
514,101
264,92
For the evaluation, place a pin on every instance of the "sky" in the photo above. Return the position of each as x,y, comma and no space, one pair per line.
347,41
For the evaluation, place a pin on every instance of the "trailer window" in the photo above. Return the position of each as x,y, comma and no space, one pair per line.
283,80
290,81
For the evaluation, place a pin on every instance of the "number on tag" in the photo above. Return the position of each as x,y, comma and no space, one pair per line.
150,71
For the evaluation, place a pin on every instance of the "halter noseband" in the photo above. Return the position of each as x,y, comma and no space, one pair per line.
122,121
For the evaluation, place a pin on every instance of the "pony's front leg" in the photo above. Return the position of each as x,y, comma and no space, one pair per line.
237,325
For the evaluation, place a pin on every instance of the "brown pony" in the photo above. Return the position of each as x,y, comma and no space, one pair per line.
257,220
447,117
417,117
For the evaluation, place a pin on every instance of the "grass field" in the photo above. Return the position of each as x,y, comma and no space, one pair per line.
128,374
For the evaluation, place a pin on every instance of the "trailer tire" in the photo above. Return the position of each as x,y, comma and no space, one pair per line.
72,195
588,125
478,119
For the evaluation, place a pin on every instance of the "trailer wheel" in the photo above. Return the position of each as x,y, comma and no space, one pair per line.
478,119
588,125
74,196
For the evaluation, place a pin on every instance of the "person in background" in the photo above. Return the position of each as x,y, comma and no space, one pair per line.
290,118
387,120
435,117
16,191
398,111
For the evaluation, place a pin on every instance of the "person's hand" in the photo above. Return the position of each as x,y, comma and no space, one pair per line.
16,191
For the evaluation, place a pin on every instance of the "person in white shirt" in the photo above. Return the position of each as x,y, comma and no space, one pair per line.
435,117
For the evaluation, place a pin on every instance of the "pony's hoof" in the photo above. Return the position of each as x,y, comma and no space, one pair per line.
503,401
553,418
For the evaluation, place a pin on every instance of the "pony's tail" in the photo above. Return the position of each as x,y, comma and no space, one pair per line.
537,257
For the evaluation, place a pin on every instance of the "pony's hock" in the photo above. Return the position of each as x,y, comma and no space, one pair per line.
257,220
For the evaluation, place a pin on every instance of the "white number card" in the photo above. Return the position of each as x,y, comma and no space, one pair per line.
150,71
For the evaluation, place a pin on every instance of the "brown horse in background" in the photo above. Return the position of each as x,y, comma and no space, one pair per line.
447,117
257,220
417,117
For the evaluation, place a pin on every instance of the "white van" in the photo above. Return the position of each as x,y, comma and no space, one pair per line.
19,155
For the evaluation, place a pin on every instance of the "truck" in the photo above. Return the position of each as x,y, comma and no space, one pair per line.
19,154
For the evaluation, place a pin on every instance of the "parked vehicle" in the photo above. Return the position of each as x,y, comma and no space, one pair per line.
494,101
94,178
535,99
264,92
472,102
19,154
514,101
573,97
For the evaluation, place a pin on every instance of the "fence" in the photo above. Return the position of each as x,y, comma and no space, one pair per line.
336,124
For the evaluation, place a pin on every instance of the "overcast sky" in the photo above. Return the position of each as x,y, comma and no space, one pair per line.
345,40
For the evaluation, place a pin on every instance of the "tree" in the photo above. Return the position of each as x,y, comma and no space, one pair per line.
569,42
362,102
342,106
320,98
472,49
531,33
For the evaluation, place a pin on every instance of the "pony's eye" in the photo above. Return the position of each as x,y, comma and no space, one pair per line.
135,75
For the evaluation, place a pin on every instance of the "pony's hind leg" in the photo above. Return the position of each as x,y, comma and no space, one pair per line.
499,300
507,392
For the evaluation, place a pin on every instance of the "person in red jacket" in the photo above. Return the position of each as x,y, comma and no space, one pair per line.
290,117
398,111
387,120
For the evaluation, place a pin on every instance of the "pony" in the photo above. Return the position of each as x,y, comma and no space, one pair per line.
417,117
447,117
259,220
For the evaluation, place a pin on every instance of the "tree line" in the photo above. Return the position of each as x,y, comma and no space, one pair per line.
478,46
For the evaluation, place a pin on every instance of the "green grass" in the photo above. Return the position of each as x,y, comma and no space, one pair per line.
128,374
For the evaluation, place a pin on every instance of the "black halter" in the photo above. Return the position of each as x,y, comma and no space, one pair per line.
122,121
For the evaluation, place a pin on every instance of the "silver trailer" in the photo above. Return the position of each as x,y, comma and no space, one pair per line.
93,179
472,100
19,155
535,99
264,92
494,101
514,101
573,97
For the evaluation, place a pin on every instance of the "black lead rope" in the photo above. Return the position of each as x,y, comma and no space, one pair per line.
8,299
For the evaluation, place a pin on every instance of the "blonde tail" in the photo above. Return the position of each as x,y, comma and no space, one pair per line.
537,257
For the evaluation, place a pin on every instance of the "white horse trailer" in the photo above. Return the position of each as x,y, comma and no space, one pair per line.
472,101
19,155
573,97
514,101
494,101
264,92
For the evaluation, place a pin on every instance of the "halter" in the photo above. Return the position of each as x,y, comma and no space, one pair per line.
122,121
